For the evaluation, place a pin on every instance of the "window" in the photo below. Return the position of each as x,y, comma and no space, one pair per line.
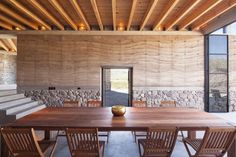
217,68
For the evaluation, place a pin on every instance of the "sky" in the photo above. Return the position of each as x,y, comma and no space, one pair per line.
231,30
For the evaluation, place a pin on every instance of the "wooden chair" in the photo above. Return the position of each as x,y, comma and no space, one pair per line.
138,103
71,103
168,103
84,142
98,103
67,103
160,142
215,142
23,143
94,103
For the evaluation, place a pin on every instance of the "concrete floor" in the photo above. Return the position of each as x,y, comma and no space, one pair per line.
121,144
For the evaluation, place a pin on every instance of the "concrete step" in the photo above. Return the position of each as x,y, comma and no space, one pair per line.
14,102
28,111
7,92
8,86
11,97
20,107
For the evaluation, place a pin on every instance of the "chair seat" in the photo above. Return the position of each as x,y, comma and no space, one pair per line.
140,133
103,133
195,144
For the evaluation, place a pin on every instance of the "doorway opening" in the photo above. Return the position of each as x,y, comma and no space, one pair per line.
116,86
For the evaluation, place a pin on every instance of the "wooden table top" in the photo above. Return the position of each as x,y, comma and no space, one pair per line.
134,119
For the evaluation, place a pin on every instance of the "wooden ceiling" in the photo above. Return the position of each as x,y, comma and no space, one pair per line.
8,45
156,15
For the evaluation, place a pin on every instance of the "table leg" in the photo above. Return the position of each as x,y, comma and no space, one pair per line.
46,134
232,149
191,134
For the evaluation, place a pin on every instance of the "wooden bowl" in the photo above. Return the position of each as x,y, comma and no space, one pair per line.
118,110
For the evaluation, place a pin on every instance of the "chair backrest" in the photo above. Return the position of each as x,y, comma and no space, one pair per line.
94,103
71,103
217,140
168,103
21,142
160,140
137,103
83,142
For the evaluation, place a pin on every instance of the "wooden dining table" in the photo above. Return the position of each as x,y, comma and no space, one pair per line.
135,119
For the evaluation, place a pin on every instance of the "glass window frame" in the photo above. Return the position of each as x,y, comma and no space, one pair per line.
207,70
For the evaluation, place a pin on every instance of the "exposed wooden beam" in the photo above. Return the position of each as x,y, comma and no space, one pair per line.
3,45
114,13
29,13
12,44
131,15
17,16
46,13
188,7
148,13
170,6
10,21
207,6
211,16
97,14
63,13
79,12
5,25
103,33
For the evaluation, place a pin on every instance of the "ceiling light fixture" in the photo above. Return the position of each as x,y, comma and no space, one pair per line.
15,28
42,28
82,27
121,27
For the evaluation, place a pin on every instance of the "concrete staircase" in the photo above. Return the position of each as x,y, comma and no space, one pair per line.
14,106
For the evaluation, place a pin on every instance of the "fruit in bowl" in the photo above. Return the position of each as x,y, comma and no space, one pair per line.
118,110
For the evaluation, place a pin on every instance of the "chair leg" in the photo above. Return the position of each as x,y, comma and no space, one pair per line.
103,148
108,135
135,137
186,146
53,149
139,148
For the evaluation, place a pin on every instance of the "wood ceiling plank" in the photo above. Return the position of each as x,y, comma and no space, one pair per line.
207,6
63,13
148,13
12,44
114,14
183,13
78,10
131,15
222,9
3,45
97,14
170,6
5,25
46,13
29,13
16,16
10,21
